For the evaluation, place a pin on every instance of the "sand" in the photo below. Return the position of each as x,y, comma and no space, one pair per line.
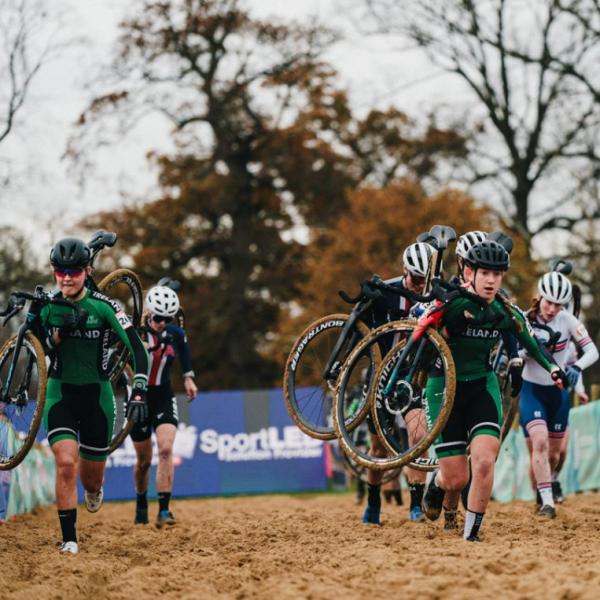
310,546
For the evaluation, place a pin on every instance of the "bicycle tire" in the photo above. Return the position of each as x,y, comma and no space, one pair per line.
297,408
395,461
10,458
391,444
121,424
135,294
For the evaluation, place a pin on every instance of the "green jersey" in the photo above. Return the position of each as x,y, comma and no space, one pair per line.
471,343
83,356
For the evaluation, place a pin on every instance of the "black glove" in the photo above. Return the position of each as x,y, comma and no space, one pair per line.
515,370
560,374
137,408
71,322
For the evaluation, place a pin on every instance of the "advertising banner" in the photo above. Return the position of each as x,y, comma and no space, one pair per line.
230,442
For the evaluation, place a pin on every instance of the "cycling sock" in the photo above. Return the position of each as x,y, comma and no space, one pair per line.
416,494
374,496
397,496
68,524
473,522
554,476
163,500
545,490
141,500
387,495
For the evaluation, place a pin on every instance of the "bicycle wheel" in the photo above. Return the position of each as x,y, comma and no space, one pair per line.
122,426
308,395
123,286
431,349
22,404
499,360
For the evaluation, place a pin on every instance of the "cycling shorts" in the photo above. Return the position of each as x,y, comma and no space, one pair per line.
544,405
162,409
477,410
84,412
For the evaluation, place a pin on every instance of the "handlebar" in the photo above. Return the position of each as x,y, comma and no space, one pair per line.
16,302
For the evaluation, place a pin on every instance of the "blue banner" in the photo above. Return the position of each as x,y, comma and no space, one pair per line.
229,443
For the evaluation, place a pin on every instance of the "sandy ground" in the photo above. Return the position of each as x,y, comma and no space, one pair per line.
304,547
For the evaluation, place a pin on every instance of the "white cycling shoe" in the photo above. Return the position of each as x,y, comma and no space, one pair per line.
93,500
69,548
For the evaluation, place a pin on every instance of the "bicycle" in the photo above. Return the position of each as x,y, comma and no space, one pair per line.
314,362
23,377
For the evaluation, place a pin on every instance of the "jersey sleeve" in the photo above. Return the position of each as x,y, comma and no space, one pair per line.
584,342
183,352
120,323
527,338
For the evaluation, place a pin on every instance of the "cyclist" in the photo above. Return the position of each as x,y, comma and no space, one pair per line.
545,410
473,325
391,307
164,341
80,409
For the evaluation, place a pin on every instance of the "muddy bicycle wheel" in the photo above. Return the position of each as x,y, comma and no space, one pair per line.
122,391
123,286
308,395
406,390
21,403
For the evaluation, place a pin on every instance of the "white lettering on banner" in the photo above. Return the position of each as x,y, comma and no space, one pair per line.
265,444
183,448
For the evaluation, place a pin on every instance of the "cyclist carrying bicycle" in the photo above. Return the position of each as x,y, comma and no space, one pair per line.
393,307
544,409
164,341
473,326
80,407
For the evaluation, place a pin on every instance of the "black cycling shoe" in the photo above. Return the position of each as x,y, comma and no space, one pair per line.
141,516
547,511
433,499
557,492
473,538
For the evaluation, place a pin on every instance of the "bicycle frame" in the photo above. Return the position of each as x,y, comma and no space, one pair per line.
38,299
358,309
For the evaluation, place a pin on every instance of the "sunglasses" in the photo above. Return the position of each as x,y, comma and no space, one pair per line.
159,319
72,272
417,280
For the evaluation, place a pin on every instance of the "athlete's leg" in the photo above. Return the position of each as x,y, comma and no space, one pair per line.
555,447
373,508
416,429
165,437
452,478
66,457
141,469
484,450
91,474
540,463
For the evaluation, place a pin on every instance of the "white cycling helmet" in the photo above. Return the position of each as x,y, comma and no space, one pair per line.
555,287
416,258
162,301
467,240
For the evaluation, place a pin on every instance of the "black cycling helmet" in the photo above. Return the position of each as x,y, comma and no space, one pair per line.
488,255
70,252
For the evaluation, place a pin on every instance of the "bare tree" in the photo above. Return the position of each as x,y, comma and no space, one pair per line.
533,70
21,56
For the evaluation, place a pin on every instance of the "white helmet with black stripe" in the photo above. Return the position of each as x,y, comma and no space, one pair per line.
555,287
162,301
416,258
467,240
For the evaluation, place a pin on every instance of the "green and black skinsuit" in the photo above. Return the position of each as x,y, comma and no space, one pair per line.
472,331
79,401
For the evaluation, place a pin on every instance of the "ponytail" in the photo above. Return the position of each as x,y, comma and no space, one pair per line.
507,306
